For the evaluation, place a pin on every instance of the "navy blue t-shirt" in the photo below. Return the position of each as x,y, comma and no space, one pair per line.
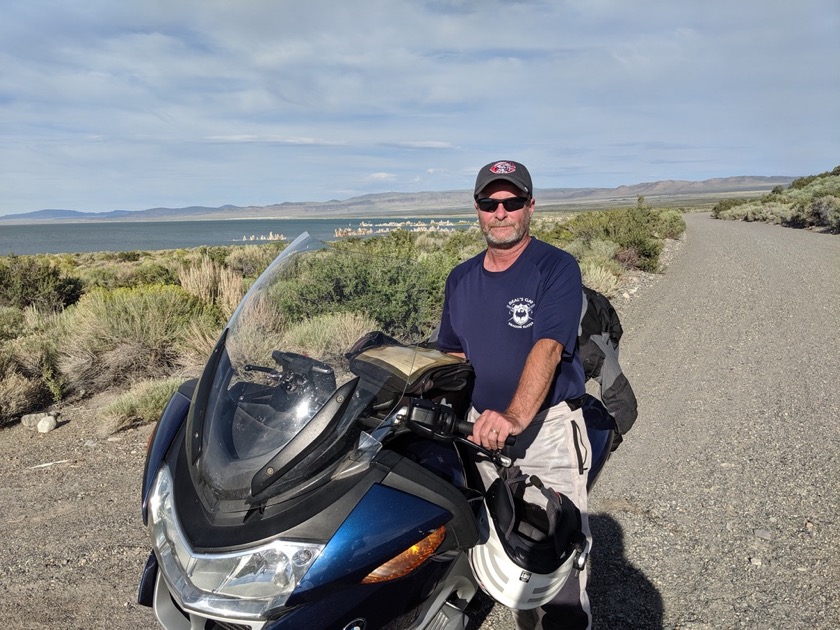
495,318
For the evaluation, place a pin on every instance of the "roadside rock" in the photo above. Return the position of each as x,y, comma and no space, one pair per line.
47,424
41,422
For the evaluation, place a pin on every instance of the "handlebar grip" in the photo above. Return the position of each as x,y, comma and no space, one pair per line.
466,428
463,427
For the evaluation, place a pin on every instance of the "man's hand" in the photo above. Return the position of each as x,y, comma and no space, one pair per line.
492,428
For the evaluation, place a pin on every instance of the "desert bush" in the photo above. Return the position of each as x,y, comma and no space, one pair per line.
19,395
249,261
143,403
327,335
195,348
600,250
213,283
599,278
232,288
671,224
639,228
201,279
724,209
150,273
430,241
576,247
399,291
36,357
128,334
463,244
29,376
33,352
825,211
29,281
11,322
808,202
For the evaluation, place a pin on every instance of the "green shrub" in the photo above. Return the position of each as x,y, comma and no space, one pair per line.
825,211
151,273
808,202
249,261
11,322
29,281
671,224
637,228
722,208
384,279
128,334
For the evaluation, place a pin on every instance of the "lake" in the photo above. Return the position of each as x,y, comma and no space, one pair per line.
55,238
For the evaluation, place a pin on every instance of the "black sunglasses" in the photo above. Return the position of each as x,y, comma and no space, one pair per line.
511,204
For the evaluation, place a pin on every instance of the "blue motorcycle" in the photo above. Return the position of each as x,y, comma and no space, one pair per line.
301,483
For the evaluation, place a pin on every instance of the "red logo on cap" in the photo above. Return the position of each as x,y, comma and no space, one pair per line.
502,168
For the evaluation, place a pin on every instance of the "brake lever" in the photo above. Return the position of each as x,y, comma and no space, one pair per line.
494,456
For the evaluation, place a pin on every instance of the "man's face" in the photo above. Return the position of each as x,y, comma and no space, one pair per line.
502,228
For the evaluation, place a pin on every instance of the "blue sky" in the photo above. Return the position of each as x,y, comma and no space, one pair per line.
135,104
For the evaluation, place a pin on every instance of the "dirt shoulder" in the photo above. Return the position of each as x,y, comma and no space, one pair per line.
73,543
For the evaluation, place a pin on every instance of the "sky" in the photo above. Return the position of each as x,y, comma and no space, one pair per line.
136,104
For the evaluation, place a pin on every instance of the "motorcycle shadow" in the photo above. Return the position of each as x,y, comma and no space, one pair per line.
620,595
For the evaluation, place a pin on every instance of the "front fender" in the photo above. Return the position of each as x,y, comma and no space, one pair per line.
171,421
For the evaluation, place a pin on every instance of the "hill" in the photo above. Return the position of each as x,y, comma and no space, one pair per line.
419,203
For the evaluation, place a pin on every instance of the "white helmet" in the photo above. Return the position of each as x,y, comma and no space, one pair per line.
526,551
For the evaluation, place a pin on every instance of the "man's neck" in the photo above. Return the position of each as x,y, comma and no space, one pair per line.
499,259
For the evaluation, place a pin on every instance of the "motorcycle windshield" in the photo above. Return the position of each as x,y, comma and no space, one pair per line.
286,401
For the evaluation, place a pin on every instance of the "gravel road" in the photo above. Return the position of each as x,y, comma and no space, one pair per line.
720,510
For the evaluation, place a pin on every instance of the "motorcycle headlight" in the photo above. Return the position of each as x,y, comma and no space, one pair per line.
245,584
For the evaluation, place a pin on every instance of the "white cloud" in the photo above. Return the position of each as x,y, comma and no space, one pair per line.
381,177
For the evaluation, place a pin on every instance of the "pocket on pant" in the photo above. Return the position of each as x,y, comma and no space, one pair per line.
580,448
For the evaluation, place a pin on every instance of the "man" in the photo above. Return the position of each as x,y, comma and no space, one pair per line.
513,311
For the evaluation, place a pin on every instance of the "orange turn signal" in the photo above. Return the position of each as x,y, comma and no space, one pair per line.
408,560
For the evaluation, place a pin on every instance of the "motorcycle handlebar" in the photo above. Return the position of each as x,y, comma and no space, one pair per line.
438,420
466,428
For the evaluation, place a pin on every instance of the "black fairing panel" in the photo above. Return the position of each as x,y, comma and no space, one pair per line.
318,514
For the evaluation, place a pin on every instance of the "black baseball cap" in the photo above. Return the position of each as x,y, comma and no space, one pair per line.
509,170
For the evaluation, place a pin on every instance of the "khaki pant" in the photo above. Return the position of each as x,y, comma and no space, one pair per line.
554,447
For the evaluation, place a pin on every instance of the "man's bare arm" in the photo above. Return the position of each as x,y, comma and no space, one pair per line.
535,381
493,427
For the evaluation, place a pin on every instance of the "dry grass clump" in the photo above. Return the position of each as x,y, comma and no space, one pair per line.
19,395
29,379
256,333
196,346
599,278
144,402
328,335
214,284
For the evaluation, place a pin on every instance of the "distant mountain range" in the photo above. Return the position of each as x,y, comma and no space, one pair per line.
419,203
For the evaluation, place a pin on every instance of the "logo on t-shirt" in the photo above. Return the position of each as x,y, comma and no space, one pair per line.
521,312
